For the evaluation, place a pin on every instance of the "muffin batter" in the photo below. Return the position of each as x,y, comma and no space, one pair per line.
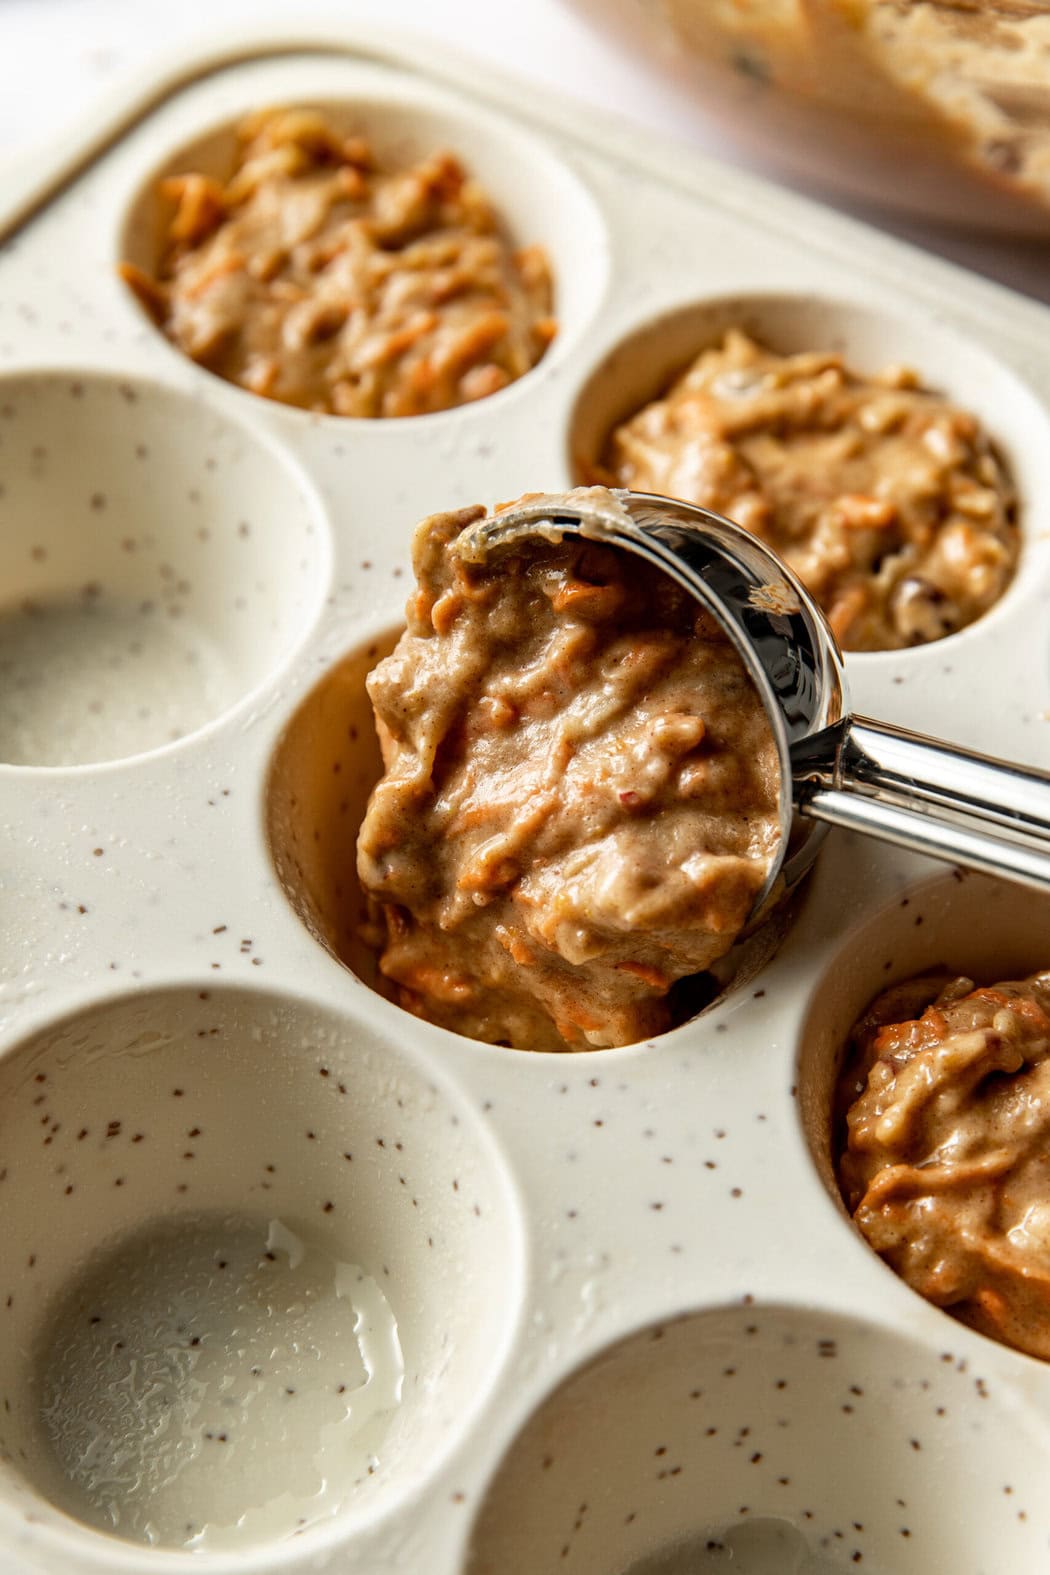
580,800
890,504
946,1163
316,278
959,82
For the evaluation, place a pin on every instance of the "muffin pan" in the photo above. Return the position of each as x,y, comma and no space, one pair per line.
596,1313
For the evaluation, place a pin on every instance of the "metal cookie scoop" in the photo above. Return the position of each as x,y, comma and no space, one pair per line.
836,768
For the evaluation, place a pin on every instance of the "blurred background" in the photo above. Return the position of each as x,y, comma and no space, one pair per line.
931,118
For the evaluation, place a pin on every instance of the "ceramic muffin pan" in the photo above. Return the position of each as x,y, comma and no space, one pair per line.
290,1280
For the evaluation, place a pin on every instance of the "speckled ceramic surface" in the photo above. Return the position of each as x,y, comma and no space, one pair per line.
630,1312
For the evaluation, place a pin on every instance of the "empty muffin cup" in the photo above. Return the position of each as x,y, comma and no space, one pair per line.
159,563
767,1439
259,1272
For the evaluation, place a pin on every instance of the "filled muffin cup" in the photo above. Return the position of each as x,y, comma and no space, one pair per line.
388,255
894,1035
323,773
811,421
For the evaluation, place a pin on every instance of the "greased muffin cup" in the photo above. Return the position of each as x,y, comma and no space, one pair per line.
160,563
610,1311
758,1419
163,1142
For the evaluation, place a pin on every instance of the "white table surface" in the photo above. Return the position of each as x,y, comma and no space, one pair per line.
58,56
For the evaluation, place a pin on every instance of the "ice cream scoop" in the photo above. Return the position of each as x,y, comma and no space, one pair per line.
835,768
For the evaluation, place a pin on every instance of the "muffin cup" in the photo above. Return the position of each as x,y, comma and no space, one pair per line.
536,197
159,564
961,922
690,1437
189,1177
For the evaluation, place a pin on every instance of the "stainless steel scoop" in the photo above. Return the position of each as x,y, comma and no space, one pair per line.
835,768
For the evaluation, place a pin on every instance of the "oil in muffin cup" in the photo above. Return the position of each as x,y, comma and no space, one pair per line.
260,1269
538,199
159,564
768,1439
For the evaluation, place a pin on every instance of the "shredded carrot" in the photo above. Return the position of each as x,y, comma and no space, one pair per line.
475,814
858,511
845,610
261,374
351,183
439,983
421,377
481,381
494,713
651,976
992,995
234,263
1031,1011
473,344
595,601
578,1017
487,875
445,612
394,345
931,1027
154,296
994,1306
513,944
1023,1006
201,206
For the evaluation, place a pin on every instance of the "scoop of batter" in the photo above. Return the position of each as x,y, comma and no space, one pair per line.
887,501
580,800
946,1165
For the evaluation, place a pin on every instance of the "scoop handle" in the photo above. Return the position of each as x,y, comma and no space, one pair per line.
928,796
